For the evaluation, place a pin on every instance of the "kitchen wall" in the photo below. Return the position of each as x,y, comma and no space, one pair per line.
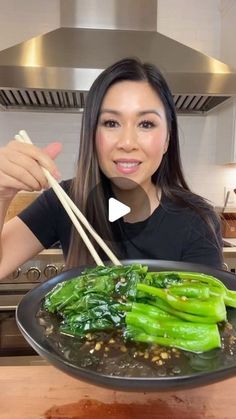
228,31
21,20
24,19
44,128
196,23
202,25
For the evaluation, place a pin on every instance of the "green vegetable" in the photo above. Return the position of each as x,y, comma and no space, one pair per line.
191,290
154,312
67,293
162,279
179,309
196,346
90,301
172,278
180,314
213,307
97,312
170,328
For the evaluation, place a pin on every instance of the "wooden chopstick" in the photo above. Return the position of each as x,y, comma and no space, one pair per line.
74,213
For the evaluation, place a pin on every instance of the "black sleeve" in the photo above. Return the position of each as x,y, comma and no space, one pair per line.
40,217
201,246
47,220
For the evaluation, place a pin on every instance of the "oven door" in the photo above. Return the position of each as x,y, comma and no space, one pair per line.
12,343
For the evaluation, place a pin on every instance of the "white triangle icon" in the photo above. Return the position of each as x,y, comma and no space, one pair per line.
116,209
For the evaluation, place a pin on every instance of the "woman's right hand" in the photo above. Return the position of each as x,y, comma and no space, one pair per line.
20,167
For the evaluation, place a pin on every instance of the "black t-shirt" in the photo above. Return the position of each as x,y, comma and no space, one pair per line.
170,233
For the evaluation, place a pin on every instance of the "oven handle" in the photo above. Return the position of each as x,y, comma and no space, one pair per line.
9,302
8,307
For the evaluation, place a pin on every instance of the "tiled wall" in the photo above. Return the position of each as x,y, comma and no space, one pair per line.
196,23
228,31
44,128
23,19
198,148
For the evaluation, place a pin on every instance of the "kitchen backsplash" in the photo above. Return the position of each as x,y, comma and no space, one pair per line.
44,128
22,20
197,138
206,28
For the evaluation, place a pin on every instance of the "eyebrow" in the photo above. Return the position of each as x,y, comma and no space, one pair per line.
141,113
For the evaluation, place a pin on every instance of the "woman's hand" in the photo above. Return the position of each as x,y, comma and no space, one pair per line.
20,167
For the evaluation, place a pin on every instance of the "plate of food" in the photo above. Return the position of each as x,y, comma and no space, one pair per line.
144,325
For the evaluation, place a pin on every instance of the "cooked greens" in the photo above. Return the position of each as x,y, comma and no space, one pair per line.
177,309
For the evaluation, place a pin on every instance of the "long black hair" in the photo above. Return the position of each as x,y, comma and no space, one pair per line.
168,177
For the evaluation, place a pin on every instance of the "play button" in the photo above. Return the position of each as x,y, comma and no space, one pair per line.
116,209
106,210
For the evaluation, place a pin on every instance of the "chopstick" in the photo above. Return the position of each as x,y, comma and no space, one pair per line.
74,213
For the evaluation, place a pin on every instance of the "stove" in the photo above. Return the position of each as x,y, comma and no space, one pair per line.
44,266
12,289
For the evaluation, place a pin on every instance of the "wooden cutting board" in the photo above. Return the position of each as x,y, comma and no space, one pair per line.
33,392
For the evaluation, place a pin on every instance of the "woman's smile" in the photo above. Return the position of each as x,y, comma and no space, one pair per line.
127,165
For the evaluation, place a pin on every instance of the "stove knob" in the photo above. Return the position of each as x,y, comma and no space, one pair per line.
33,274
15,274
63,267
50,271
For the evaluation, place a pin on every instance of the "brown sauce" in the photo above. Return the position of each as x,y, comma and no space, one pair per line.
158,409
107,353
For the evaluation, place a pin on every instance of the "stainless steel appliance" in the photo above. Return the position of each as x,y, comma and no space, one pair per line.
12,344
54,71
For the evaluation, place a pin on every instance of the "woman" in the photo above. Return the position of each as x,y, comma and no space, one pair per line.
129,149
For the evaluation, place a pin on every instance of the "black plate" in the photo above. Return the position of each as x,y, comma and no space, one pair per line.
35,335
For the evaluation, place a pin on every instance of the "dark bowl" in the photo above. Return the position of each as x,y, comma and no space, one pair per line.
26,316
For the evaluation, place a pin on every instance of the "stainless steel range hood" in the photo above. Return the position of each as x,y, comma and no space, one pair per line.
54,71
